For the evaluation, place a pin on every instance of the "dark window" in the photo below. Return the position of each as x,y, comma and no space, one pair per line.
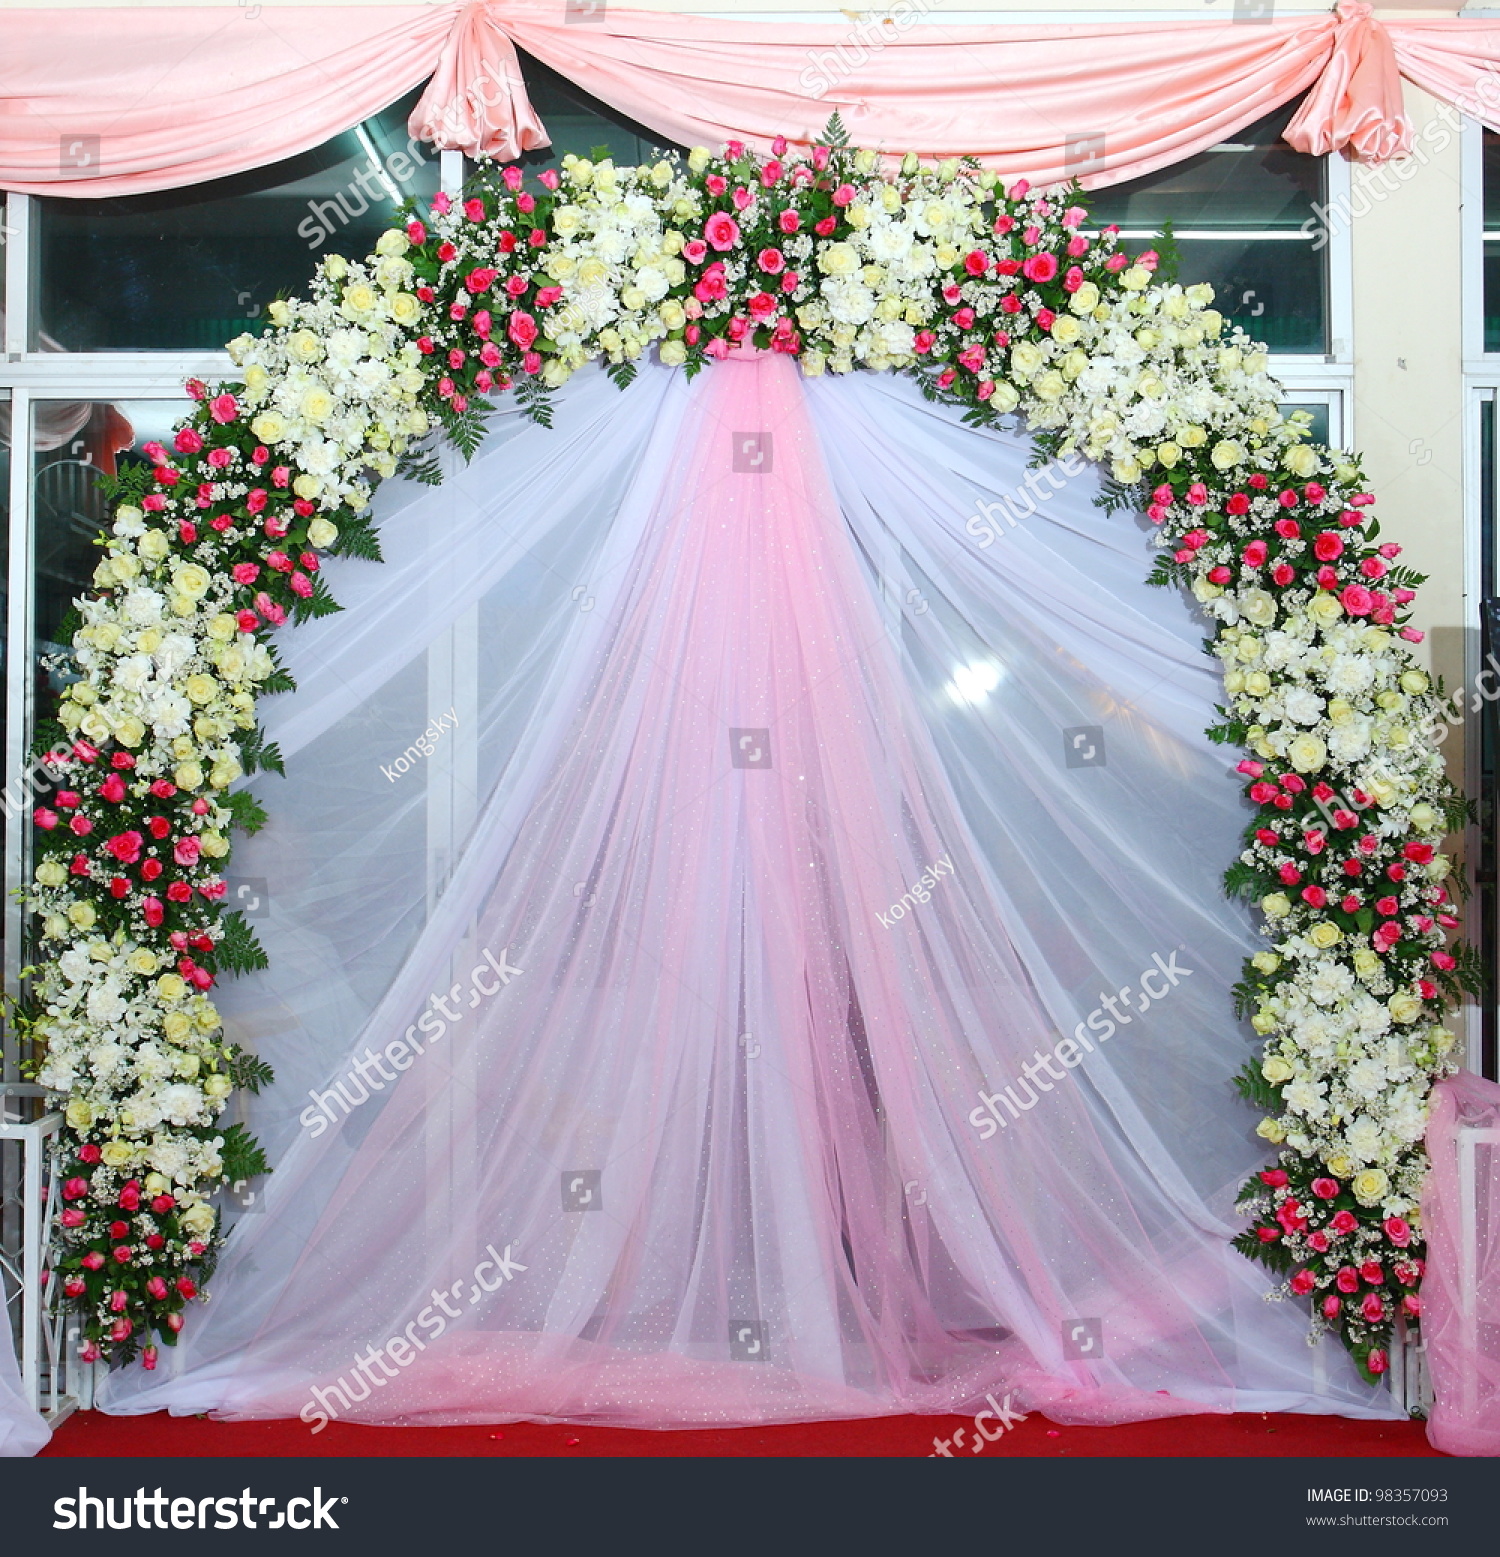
1245,218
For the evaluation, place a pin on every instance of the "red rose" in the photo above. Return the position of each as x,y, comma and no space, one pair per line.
1302,1283
126,847
1344,1222
1377,1361
1347,1279
1372,1307
1331,1307
1328,546
1255,554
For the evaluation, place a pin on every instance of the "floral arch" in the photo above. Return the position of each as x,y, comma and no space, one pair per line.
997,299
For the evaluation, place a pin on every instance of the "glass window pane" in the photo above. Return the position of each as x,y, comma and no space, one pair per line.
192,268
73,443
580,124
1243,215
1318,410
1491,241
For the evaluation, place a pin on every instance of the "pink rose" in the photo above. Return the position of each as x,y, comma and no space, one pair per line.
722,231
844,195
1347,1279
695,251
1398,1231
1040,268
186,851
1302,1283
223,408
1373,1308
789,221
74,1217
268,608
1331,1307
522,330
1357,600
1255,554
1344,1222
1377,1361
772,261
1325,1188
1328,546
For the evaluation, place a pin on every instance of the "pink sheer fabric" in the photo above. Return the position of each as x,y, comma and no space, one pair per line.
1461,1291
178,96
709,1154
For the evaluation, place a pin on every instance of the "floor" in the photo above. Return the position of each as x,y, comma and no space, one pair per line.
91,1433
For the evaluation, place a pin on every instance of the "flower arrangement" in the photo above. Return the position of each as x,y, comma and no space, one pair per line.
1002,300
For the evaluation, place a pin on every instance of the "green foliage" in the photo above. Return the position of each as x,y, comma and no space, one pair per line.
1256,1090
835,133
357,535
258,755
245,811
243,1155
238,950
319,603
534,401
1245,881
249,1070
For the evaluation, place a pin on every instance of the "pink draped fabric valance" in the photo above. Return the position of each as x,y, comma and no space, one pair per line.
112,102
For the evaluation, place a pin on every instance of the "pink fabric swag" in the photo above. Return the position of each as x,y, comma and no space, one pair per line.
179,96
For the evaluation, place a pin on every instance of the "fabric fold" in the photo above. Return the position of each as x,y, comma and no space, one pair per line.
112,102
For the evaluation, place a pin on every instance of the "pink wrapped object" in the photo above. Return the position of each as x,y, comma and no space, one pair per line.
1461,1293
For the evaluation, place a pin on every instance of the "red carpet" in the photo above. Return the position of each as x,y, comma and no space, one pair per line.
92,1433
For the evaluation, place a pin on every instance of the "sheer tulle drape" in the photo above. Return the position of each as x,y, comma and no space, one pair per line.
1461,1291
712,824
22,1430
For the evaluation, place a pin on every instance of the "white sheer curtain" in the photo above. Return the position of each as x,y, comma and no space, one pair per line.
22,1430
719,1144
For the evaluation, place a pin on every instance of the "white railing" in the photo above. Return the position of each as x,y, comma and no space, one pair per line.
1409,1381
55,1382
